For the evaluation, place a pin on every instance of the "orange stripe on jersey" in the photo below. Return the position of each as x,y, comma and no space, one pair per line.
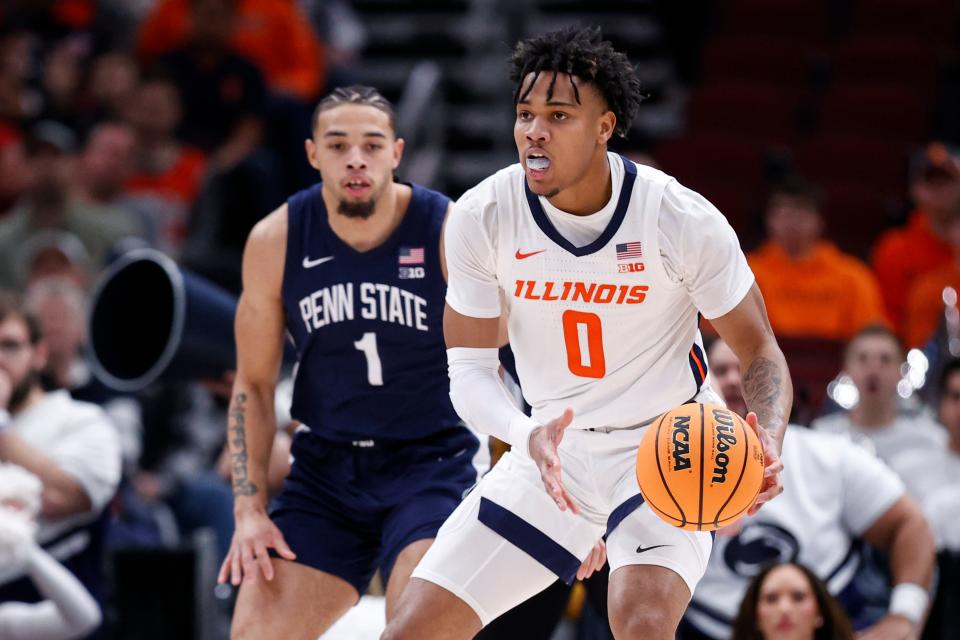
700,367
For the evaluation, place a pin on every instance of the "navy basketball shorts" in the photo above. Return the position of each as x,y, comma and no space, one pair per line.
350,508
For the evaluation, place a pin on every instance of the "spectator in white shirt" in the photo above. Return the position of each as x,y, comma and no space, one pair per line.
933,477
872,360
70,446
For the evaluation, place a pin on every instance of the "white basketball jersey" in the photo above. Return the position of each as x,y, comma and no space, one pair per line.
609,328
833,491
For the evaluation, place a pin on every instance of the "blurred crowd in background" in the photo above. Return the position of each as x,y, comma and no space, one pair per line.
825,130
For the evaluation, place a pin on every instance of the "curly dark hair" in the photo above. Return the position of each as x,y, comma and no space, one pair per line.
585,54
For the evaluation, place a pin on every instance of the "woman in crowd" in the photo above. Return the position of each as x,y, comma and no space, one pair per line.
788,602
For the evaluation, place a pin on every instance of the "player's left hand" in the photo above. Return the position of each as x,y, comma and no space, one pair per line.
594,561
772,486
890,627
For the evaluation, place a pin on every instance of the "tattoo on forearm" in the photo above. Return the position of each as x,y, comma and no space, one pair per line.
762,387
238,449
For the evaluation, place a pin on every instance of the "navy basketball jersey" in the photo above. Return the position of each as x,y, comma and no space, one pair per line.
368,325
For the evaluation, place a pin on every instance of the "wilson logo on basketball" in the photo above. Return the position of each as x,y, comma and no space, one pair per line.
681,443
725,439
700,466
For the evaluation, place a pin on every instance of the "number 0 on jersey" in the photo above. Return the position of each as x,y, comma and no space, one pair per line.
583,336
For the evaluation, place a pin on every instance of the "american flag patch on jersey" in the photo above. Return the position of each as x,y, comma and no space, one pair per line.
411,255
629,250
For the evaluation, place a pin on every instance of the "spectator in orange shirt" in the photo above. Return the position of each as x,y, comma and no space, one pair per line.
925,304
811,288
271,33
903,255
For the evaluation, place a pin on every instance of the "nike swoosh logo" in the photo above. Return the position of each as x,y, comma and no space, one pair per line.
524,256
309,264
642,548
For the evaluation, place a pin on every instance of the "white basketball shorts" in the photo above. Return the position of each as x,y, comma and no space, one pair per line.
508,540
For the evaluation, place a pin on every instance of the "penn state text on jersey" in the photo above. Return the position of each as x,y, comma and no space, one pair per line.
367,326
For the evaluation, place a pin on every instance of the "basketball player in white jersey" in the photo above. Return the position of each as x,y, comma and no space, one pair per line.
836,494
605,267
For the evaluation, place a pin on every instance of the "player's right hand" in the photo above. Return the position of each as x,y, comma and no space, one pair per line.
772,465
255,533
543,445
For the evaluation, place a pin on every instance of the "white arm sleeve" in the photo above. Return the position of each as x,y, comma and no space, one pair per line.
472,288
701,251
480,398
68,612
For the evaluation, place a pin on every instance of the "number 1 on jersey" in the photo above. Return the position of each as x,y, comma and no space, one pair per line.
583,336
368,344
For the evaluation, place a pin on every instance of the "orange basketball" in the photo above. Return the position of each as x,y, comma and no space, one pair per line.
700,466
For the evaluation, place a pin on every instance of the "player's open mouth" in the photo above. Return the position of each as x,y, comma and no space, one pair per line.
357,187
537,164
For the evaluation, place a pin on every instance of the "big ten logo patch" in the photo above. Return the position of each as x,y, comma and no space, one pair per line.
412,273
630,267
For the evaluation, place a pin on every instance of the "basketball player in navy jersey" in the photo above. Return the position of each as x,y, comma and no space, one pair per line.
352,269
